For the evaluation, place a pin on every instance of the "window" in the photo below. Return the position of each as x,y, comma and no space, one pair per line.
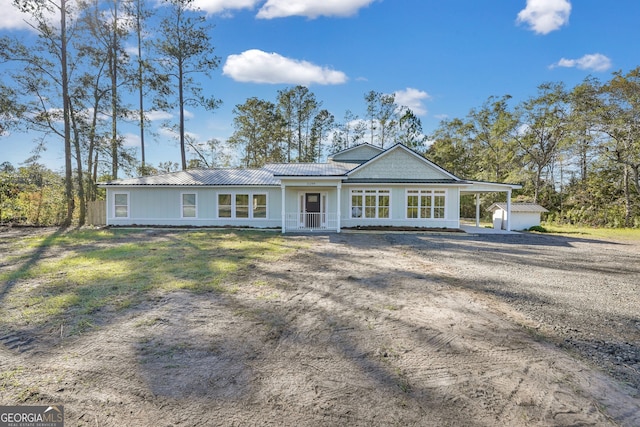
121,205
259,206
438,204
188,205
370,204
242,205
426,204
224,205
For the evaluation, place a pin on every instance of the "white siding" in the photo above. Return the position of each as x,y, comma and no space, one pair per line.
162,206
398,214
363,152
519,220
399,164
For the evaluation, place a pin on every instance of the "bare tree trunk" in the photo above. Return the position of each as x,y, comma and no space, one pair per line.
68,176
140,84
183,154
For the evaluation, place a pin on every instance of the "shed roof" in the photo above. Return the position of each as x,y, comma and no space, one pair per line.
518,207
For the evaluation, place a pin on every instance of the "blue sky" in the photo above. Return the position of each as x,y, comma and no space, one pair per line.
441,58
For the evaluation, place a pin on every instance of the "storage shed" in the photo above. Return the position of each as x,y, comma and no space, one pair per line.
523,215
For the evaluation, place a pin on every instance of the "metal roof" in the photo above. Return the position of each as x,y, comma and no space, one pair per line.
518,207
195,177
404,181
309,169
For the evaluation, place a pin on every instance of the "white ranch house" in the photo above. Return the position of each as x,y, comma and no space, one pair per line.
362,186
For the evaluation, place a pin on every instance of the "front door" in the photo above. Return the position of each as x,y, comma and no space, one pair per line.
312,210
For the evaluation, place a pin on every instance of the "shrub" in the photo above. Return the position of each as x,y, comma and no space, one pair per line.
538,228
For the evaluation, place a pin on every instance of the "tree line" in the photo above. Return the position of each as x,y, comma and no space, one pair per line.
71,82
295,128
74,81
577,150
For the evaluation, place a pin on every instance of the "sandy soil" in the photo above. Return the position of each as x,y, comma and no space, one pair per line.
365,329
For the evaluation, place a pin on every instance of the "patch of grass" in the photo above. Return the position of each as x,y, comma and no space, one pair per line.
9,378
73,277
623,234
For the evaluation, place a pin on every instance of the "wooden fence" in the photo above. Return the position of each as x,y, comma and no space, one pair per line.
97,212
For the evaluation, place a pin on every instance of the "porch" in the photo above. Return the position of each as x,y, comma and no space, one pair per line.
311,221
311,206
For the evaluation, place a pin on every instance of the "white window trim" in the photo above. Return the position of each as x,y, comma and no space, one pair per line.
233,204
432,193
113,210
364,192
182,205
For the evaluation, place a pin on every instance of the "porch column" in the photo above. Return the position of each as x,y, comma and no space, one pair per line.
284,213
508,210
338,209
478,210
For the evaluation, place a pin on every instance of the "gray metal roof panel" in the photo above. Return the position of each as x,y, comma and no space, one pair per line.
403,181
196,177
309,169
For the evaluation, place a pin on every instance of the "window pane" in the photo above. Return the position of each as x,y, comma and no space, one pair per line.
224,205
121,211
356,204
259,205
242,199
189,211
188,199
438,210
242,206
383,206
121,199
412,212
412,201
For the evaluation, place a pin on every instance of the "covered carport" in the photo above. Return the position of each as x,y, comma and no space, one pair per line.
479,187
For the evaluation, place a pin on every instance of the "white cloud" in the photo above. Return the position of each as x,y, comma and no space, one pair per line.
593,62
219,6
155,115
172,133
131,140
12,19
257,66
545,16
412,98
311,8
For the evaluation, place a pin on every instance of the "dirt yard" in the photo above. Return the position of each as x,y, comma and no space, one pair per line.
364,329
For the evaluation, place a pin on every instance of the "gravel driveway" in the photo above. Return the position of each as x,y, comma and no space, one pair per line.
584,294
360,329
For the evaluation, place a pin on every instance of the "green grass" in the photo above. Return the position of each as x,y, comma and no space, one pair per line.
622,234
71,278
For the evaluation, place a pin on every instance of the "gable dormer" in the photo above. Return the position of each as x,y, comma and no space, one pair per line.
401,163
358,154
